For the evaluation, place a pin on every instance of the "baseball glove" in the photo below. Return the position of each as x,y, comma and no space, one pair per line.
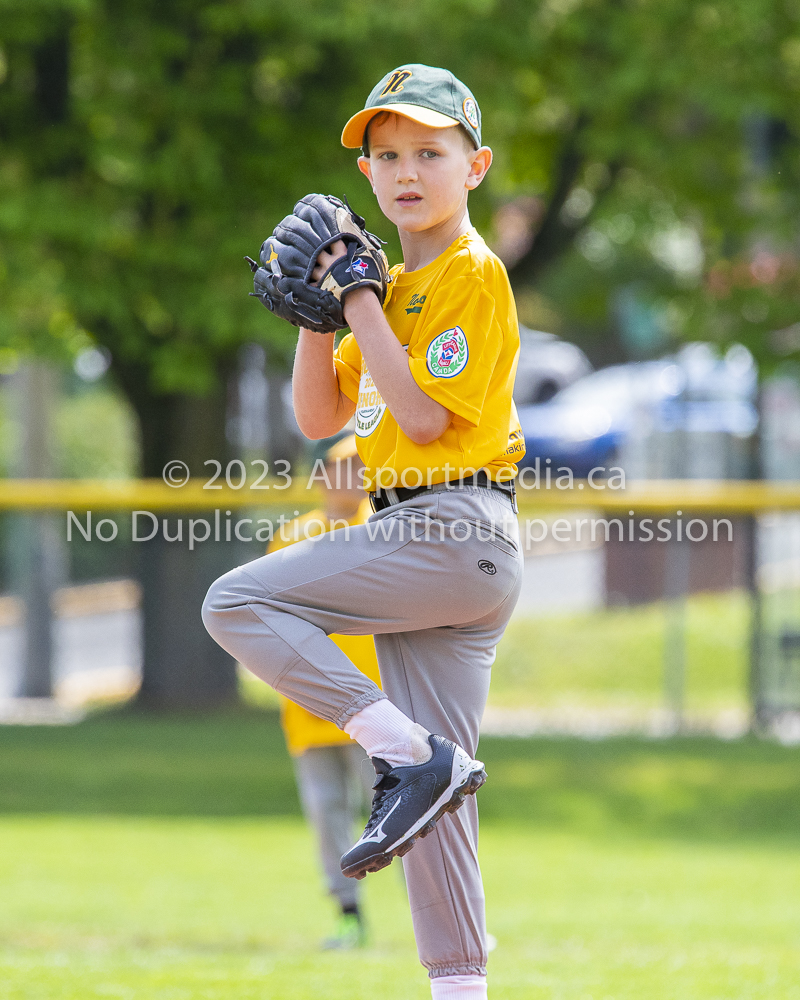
283,281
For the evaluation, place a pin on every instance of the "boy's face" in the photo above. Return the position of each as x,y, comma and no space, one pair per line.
420,175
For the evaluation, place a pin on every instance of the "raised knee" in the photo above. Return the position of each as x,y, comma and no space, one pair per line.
211,607
221,598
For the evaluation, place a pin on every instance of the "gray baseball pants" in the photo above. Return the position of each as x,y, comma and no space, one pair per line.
334,782
435,580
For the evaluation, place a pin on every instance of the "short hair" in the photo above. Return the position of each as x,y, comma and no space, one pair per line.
384,116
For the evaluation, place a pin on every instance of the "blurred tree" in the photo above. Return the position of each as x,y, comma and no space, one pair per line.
146,146
660,142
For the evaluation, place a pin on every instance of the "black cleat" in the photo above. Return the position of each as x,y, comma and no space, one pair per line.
408,802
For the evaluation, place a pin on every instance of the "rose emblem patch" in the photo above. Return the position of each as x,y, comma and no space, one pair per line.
448,353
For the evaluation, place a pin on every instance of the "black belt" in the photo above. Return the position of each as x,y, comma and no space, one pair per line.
380,499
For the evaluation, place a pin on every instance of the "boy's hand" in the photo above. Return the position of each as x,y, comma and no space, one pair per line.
316,257
328,258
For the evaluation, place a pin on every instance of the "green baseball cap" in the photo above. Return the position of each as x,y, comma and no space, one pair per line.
425,94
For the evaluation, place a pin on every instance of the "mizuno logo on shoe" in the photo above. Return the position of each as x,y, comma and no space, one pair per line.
377,834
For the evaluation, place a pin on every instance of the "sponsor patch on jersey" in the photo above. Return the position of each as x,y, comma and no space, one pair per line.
448,353
471,111
516,444
370,406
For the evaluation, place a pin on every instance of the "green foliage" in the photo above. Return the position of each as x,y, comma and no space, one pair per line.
84,454
672,132
79,451
147,146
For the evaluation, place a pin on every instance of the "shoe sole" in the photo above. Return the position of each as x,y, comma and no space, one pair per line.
424,826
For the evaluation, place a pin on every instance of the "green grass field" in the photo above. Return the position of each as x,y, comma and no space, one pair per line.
614,657
164,858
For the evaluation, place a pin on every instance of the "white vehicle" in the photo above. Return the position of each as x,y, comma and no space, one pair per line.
547,365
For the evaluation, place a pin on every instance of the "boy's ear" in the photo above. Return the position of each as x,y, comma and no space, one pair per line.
481,161
366,169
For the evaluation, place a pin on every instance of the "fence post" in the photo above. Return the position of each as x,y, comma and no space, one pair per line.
35,545
676,587
756,682
759,708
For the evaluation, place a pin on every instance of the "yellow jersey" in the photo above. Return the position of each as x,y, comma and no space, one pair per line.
301,728
457,320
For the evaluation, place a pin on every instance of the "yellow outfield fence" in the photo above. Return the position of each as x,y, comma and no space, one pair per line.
765,560
654,496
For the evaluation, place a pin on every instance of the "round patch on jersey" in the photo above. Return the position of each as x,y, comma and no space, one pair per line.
448,353
370,406
471,112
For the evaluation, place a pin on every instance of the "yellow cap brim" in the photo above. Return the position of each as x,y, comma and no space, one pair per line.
353,132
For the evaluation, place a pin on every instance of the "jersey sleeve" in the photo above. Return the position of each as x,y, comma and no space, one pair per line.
347,359
453,359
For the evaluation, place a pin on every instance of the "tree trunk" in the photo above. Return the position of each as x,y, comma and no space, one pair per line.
183,667
555,235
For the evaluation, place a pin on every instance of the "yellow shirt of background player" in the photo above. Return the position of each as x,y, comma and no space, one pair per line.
301,728
457,319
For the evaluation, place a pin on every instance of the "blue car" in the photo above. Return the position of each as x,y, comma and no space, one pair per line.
594,423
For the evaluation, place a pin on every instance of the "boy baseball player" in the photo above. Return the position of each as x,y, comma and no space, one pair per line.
436,571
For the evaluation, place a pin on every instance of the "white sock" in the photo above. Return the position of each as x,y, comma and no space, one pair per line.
459,988
384,731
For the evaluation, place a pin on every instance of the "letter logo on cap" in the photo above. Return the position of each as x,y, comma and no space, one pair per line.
396,81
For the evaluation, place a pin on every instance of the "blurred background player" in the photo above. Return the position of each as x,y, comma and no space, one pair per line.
334,774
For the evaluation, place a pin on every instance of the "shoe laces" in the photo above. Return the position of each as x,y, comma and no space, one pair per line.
384,783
